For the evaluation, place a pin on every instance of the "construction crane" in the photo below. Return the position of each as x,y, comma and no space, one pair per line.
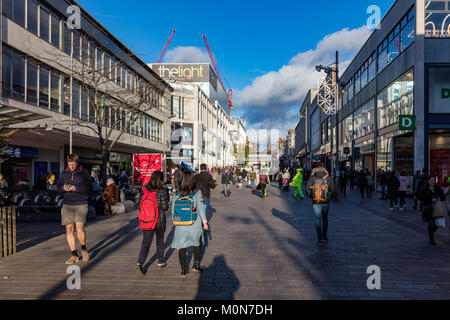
163,53
214,63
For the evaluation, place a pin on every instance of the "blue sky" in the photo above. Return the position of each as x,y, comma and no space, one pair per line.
251,40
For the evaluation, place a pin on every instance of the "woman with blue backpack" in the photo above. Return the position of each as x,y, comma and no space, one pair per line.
189,218
152,219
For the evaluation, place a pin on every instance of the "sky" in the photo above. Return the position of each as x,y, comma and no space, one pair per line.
266,50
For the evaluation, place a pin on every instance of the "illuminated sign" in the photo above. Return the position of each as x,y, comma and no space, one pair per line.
201,72
437,21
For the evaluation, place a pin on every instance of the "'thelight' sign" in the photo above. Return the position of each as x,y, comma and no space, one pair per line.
186,72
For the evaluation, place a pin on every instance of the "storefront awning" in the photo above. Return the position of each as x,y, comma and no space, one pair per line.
10,116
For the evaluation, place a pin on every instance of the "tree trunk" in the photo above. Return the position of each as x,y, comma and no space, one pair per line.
105,158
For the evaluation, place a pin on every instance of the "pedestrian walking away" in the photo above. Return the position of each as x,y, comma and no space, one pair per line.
297,182
286,180
431,194
392,189
75,183
264,181
369,185
155,190
227,179
321,188
404,185
191,235
205,183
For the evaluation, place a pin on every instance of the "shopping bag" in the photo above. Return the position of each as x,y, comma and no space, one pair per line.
439,209
440,222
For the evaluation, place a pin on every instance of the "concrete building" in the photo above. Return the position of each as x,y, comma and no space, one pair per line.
201,131
40,50
394,111
302,131
239,140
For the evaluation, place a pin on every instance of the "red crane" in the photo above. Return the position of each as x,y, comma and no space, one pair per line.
163,53
214,63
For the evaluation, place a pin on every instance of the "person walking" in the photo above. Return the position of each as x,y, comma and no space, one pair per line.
429,195
75,183
416,178
280,178
370,183
156,186
110,195
392,189
321,188
343,181
214,175
227,177
286,180
176,179
362,183
421,182
383,184
253,179
205,183
297,182
264,180
404,185
192,235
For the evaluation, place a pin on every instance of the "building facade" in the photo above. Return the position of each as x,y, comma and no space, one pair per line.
394,106
42,56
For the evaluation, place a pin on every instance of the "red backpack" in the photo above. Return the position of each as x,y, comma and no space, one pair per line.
148,212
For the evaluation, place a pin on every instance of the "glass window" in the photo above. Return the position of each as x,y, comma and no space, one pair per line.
76,100
408,34
55,92
7,7
66,96
19,12
6,74
67,40
76,45
357,84
396,99
18,73
92,106
124,77
119,74
372,71
439,83
315,129
382,60
99,66
43,87
32,16
92,60
394,49
85,50
84,104
364,120
437,17
44,29
364,79
56,33
32,81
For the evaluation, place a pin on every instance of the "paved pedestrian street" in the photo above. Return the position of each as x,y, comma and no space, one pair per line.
256,249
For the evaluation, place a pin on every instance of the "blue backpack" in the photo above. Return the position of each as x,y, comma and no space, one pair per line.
183,212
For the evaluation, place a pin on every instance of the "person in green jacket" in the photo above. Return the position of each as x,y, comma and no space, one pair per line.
297,182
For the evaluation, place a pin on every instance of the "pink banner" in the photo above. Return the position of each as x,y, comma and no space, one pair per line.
144,166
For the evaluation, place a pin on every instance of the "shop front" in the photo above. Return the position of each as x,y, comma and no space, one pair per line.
18,166
439,142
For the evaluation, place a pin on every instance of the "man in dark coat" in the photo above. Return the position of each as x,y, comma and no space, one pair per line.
205,183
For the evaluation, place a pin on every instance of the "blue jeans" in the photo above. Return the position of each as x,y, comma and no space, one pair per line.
253,183
383,191
206,203
321,213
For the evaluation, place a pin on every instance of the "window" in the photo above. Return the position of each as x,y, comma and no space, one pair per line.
76,100
348,129
55,92
7,8
439,83
372,71
382,59
18,74
408,34
43,87
85,50
171,106
84,104
56,32
44,24
100,67
124,77
66,96
15,10
92,62
32,81
394,48
357,83
91,111
107,69
32,16
6,74
364,120
76,45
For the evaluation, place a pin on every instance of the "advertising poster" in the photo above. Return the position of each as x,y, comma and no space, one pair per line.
186,134
144,166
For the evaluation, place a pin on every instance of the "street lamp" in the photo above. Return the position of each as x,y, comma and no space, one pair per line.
328,70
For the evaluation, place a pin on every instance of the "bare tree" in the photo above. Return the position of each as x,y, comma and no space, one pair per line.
117,99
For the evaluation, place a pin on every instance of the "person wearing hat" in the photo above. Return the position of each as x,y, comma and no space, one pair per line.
297,182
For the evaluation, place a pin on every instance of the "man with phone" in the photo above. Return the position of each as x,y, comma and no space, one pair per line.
75,183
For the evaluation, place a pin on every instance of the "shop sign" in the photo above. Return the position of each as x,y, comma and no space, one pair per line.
144,166
407,122
113,156
346,150
14,152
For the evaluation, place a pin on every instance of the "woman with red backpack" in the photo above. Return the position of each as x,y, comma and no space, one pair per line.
152,218
189,234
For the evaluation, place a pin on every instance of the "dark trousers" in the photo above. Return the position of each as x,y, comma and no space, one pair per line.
147,242
361,188
344,190
321,214
182,253
402,195
393,199
369,192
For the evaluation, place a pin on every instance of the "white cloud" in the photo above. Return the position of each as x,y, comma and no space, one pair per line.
186,55
274,93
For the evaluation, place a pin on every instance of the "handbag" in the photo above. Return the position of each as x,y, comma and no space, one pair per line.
439,209
440,222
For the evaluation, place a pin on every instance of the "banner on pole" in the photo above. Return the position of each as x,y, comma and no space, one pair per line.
144,166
